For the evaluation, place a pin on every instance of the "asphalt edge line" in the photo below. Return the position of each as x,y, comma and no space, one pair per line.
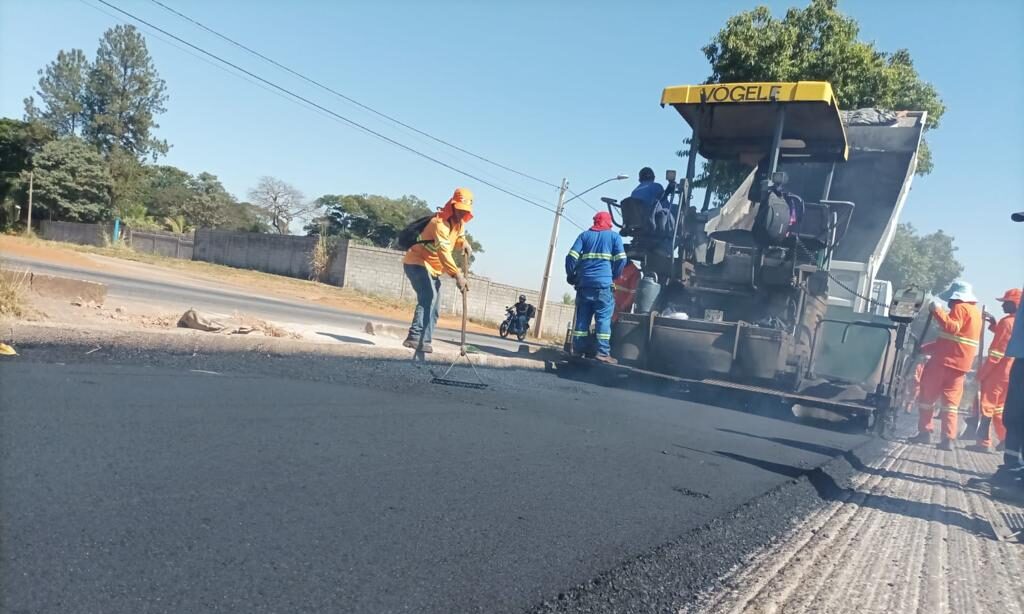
679,568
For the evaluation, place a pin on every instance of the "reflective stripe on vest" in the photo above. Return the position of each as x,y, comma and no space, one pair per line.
995,354
575,254
958,339
595,256
619,288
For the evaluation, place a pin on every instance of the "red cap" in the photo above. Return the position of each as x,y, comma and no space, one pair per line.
1012,296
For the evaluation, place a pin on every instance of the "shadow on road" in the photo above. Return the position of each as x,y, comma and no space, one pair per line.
346,338
852,458
591,372
522,352
827,488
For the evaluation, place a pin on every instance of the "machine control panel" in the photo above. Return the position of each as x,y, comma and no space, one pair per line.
906,303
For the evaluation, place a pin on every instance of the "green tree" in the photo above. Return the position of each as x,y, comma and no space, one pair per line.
475,246
246,217
568,299
72,182
62,92
167,189
816,43
19,142
367,218
124,94
209,205
926,261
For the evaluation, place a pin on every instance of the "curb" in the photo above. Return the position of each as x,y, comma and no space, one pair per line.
187,341
52,286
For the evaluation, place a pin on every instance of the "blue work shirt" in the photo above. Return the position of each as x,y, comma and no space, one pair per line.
1015,347
596,259
650,192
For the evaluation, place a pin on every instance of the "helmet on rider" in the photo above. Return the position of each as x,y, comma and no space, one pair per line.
522,298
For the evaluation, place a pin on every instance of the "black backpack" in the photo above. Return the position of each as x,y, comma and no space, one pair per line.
410,235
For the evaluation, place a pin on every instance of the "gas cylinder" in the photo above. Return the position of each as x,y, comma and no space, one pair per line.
647,293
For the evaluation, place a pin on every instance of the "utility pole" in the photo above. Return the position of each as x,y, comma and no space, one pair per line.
542,307
31,179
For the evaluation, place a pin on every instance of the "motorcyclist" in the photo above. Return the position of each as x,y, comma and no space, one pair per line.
524,313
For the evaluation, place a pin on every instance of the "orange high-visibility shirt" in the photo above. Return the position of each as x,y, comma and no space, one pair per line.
434,246
625,289
997,365
959,332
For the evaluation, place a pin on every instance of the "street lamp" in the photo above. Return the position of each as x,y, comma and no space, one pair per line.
542,307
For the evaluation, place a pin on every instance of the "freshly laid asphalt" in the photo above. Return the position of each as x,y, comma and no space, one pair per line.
132,482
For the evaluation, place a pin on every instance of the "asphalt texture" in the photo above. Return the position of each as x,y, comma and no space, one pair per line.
137,482
209,296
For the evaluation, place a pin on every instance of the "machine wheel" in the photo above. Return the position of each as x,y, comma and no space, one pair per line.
503,330
521,336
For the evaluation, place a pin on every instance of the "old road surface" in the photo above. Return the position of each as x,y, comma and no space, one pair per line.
143,482
176,290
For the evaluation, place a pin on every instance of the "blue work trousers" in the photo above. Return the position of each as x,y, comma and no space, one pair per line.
428,302
597,304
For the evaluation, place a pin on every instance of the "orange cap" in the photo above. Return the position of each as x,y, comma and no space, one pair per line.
462,200
1012,296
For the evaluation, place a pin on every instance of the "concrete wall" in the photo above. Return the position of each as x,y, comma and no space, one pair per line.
378,271
278,254
368,269
167,244
75,232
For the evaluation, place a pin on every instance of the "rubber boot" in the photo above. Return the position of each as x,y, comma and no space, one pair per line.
946,445
923,438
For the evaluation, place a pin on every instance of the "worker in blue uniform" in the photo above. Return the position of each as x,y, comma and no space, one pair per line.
595,260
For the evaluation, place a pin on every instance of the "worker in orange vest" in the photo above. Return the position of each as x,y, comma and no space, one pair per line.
994,375
624,288
952,355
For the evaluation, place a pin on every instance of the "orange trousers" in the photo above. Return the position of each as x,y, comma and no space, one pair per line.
943,387
993,398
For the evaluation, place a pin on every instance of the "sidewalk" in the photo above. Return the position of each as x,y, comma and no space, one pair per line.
910,537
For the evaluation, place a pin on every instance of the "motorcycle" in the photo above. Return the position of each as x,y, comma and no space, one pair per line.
511,325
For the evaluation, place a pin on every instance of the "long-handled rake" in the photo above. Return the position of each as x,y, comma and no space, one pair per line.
443,379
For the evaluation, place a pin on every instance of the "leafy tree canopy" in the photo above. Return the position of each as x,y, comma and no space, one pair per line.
72,182
926,261
372,219
816,43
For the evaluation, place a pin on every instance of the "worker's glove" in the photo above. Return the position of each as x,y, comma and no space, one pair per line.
936,303
991,319
461,283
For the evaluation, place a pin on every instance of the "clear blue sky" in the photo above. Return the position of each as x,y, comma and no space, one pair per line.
555,89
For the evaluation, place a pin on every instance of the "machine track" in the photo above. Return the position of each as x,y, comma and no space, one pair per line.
911,537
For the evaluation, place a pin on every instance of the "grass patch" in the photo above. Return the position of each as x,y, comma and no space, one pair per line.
12,293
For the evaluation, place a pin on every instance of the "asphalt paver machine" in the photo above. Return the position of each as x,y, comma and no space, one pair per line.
746,297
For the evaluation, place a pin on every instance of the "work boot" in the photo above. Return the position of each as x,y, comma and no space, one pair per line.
427,348
411,342
606,359
946,445
977,447
923,437
1010,493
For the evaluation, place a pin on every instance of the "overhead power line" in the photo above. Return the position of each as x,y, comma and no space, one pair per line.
331,90
330,112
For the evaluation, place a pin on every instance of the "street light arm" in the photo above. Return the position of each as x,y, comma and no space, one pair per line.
590,189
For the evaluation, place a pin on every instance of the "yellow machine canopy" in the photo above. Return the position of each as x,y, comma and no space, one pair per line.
738,120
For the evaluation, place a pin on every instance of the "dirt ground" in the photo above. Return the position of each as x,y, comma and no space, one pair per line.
128,262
